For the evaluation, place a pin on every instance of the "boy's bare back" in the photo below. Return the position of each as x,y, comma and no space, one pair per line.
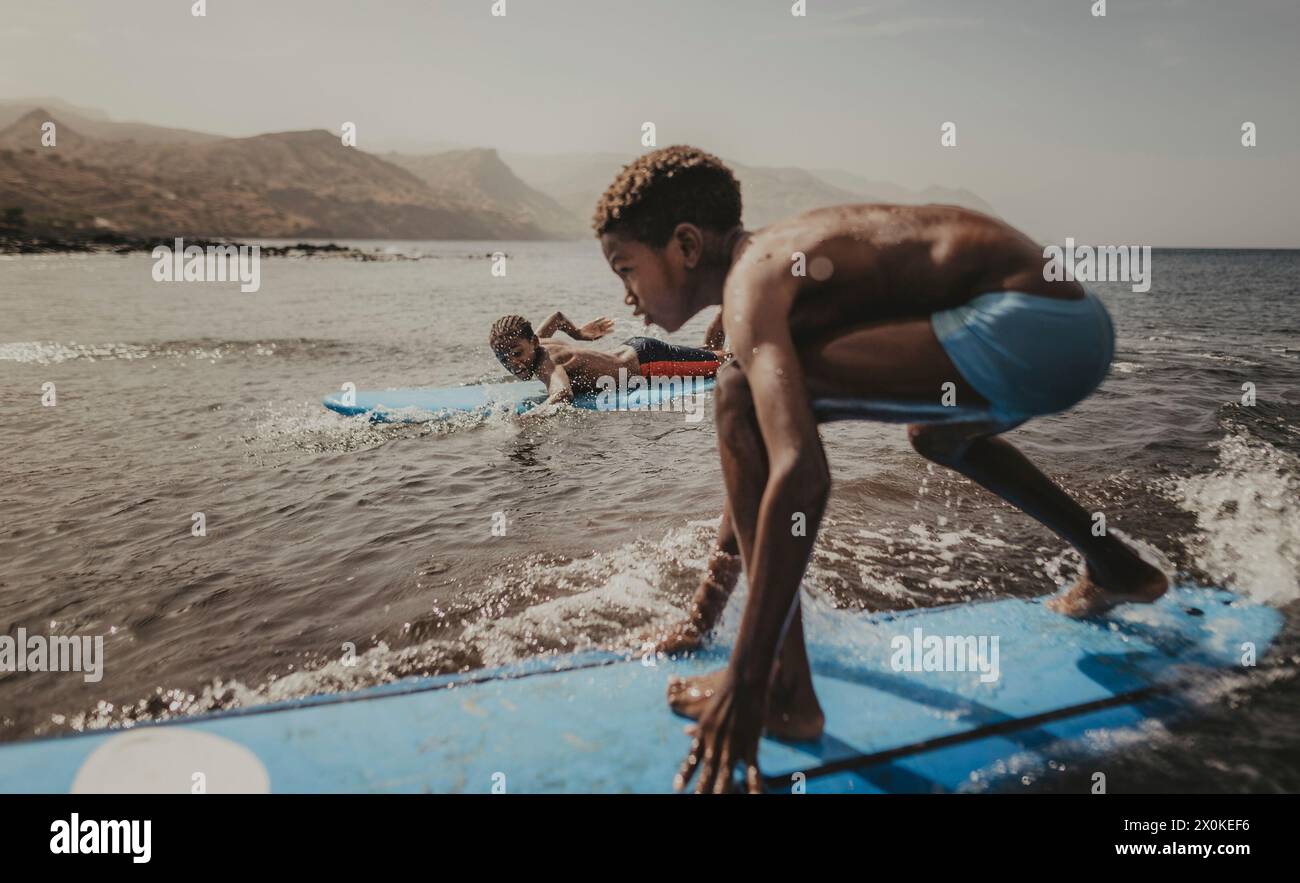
872,263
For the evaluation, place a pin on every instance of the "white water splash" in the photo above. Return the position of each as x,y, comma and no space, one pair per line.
280,427
1064,567
606,598
599,602
1248,509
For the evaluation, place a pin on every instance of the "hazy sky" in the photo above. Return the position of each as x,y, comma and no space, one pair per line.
1124,129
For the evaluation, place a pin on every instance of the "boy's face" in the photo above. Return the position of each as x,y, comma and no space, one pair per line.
520,356
655,280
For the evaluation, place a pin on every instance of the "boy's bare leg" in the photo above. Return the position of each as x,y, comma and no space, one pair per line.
1113,574
793,712
904,359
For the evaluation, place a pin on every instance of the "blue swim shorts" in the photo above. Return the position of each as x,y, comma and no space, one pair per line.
1028,355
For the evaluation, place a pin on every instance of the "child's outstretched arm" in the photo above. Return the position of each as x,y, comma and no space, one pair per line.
557,321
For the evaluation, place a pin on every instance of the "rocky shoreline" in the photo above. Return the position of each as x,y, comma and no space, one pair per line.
116,243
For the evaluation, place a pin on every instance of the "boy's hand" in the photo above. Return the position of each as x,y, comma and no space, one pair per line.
542,411
727,735
596,329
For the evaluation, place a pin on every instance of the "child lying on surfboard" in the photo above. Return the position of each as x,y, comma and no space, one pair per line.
894,302
566,369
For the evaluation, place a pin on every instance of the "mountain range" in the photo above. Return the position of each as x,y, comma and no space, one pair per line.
145,180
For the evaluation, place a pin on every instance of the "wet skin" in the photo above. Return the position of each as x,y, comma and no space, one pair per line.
860,329
562,366
583,367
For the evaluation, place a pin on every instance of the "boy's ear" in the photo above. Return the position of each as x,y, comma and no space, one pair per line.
690,239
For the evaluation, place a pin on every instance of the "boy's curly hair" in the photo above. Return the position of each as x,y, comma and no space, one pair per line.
666,187
507,330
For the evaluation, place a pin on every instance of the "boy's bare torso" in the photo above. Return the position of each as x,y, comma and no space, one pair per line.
873,263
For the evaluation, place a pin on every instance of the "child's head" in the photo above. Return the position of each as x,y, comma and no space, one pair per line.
665,216
516,346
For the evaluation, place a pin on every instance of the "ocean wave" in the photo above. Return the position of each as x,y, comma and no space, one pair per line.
38,352
603,601
298,426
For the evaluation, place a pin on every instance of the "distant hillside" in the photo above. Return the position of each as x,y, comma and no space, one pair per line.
772,194
577,180
884,192
284,185
479,176
574,180
59,191
97,125
25,133
144,180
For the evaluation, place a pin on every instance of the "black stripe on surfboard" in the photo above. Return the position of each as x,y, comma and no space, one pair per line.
863,761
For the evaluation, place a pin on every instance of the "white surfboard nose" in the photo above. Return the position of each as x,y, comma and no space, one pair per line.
170,760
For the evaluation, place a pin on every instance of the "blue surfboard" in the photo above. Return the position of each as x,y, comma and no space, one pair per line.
422,404
598,722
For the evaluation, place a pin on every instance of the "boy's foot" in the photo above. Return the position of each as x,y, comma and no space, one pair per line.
793,712
1136,582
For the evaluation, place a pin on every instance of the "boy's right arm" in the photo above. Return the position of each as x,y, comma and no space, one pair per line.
557,385
558,390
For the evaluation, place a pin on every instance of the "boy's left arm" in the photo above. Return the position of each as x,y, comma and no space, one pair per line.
557,321
798,484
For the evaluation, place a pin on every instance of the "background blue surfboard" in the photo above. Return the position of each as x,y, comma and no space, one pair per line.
598,722
421,404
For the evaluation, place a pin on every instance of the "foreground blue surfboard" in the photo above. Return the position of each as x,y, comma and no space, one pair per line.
599,723
422,404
